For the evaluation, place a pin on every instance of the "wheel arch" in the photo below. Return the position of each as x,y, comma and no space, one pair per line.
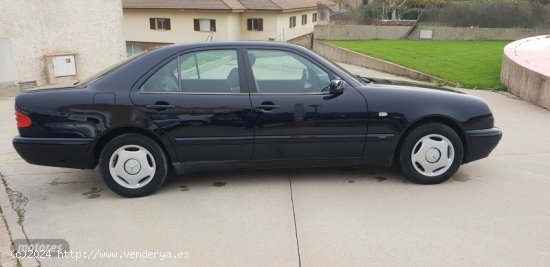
107,136
431,119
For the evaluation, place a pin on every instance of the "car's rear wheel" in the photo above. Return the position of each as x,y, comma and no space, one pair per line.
133,165
431,153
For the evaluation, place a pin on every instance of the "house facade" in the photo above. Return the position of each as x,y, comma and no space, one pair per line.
47,42
150,23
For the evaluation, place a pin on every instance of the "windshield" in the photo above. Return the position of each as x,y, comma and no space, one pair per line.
108,70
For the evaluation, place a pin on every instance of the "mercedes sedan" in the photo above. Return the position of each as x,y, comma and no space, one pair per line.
233,105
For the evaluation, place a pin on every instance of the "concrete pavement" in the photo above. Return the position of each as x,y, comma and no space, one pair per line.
494,212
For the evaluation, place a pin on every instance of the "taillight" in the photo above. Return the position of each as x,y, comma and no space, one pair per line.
23,120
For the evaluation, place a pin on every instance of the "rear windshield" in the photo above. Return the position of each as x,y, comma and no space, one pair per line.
108,70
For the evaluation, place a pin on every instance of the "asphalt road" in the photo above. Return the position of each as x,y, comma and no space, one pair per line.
494,212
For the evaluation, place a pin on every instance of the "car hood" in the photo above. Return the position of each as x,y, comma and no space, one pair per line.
388,83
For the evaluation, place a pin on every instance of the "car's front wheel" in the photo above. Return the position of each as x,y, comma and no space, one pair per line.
133,165
431,153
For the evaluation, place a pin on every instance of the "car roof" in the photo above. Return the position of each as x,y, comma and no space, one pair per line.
183,46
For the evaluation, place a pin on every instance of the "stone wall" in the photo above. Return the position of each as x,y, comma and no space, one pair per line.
360,32
90,28
465,33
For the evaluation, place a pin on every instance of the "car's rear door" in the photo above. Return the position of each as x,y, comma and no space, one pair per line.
296,117
199,99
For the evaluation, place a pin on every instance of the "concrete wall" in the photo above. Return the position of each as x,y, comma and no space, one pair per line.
525,70
460,33
350,57
366,32
8,69
90,28
360,32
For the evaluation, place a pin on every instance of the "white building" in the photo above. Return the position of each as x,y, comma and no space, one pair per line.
149,23
45,42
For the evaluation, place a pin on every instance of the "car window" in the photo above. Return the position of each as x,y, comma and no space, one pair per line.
284,72
213,71
163,80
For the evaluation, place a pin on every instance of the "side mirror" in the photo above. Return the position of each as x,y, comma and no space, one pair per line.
336,87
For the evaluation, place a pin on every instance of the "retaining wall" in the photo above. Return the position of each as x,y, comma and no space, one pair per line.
526,70
360,32
350,57
467,33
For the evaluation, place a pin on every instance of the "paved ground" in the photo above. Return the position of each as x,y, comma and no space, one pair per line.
494,212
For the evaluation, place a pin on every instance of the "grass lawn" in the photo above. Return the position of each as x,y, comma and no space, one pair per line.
473,64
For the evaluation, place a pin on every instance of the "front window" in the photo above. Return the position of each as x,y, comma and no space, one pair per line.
285,72
314,17
304,19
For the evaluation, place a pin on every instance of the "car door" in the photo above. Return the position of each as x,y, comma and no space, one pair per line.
296,116
199,99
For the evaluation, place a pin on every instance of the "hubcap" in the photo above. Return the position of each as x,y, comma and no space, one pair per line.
132,166
432,155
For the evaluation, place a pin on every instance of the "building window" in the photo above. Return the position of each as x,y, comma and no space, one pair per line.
255,24
292,22
133,48
204,25
159,24
314,17
304,19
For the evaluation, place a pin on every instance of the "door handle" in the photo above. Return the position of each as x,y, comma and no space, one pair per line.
160,106
267,107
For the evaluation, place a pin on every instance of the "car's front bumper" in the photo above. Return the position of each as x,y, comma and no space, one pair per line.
480,143
56,152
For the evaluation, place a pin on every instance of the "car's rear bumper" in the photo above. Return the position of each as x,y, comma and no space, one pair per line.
481,143
56,152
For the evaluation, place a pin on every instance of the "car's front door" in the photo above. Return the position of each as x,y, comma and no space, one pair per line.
197,99
296,116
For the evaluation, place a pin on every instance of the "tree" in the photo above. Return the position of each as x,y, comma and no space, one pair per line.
339,2
393,5
537,12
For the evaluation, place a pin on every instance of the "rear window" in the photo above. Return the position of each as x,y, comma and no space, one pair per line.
108,70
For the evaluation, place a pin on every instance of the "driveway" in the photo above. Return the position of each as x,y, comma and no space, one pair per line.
494,212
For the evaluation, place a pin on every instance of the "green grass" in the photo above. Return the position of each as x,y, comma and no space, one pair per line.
472,64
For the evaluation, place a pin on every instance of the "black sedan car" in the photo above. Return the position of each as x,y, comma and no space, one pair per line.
234,105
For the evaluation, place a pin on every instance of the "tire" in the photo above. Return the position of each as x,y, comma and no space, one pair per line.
431,153
133,165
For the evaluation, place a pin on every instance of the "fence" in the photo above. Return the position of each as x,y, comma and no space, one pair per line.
487,15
